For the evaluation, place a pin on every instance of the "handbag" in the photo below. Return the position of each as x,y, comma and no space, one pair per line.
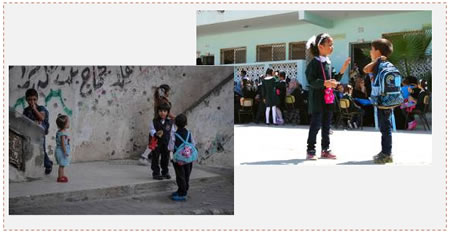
329,94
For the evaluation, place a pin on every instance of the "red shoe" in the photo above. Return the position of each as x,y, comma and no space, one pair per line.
311,157
65,179
61,180
326,154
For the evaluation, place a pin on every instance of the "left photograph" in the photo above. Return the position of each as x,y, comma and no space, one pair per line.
121,140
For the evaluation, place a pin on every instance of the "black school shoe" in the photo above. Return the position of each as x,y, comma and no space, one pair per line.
382,158
157,177
48,170
166,176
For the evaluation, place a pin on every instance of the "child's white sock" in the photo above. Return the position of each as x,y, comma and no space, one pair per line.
146,153
267,114
274,114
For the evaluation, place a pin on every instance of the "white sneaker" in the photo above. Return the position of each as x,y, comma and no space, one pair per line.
144,162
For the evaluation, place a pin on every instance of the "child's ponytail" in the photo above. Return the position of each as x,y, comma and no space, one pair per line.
312,46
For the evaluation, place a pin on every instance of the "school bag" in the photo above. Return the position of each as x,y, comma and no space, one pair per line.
186,152
386,86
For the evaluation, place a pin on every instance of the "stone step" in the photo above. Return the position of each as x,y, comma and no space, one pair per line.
99,180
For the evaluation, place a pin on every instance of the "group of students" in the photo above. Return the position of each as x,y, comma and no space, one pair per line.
323,79
166,143
268,93
414,92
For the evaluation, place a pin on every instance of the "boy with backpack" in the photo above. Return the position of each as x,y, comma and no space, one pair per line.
385,95
184,154
39,115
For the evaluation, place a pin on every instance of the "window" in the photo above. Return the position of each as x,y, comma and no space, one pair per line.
297,50
233,55
207,60
271,52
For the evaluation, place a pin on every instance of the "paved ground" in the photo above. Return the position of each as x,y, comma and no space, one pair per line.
286,145
206,199
122,187
94,175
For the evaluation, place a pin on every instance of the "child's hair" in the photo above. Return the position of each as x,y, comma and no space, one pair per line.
181,121
164,106
423,84
405,81
412,80
348,88
245,82
31,92
61,121
269,71
162,90
243,72
384,46
313,44
282,74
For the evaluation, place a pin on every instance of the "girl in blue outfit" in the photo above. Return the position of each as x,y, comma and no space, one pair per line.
62,152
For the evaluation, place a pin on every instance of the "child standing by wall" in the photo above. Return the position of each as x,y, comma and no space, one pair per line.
39,115
322,80
162,128
161,96
62,151
185,147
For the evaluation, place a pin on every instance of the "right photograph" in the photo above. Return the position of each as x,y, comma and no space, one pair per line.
325,88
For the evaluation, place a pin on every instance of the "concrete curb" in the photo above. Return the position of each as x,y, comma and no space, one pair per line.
105,193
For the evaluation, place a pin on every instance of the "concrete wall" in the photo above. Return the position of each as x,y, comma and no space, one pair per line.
110,107
344,32
26,151
211,123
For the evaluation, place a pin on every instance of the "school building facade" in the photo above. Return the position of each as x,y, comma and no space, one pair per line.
256,40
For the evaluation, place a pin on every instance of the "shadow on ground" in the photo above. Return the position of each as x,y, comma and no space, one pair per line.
277,162
367,162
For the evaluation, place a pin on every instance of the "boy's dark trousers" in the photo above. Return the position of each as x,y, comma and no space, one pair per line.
182,173
318,120
163,152
260,111
385,125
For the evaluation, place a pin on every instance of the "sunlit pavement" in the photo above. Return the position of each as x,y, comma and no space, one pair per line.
258,144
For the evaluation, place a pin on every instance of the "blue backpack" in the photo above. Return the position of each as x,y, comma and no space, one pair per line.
386,87
186,152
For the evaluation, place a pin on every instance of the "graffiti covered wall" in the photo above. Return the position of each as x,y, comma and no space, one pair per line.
109,107
211,123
